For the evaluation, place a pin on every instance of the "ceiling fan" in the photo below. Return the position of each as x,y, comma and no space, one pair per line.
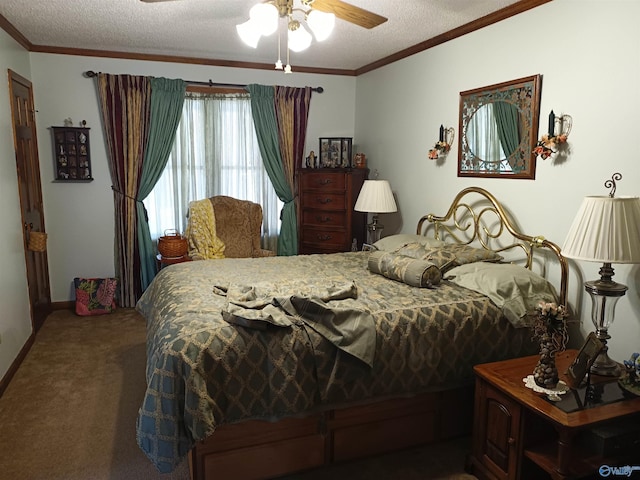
340,9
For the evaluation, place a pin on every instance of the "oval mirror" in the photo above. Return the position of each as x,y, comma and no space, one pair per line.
499,129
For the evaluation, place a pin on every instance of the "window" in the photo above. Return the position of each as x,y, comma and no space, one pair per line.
215,153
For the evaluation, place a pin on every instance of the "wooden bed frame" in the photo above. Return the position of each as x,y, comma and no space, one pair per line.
261,449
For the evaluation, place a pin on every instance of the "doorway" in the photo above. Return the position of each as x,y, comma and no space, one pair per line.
30,190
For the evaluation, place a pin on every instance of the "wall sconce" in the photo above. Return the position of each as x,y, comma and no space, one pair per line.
559,129
443,145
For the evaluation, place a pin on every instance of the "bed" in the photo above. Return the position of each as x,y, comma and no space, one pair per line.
258,368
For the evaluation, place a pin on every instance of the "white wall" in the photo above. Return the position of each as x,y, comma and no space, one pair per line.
79,216
588,54
15,320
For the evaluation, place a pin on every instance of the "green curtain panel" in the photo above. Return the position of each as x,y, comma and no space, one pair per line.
508,121
167,98
264,119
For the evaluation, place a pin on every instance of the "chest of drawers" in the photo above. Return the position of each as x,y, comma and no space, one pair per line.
327,222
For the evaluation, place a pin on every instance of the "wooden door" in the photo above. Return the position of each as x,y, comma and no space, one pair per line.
30,190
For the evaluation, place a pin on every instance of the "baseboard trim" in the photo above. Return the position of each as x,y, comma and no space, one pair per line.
69,305
4,383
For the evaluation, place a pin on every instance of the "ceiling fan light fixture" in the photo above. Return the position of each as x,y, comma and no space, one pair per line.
248,33
316,19
320,23
298,38
265,17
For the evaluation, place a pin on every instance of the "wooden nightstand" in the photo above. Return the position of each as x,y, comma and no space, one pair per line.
519,433
165,261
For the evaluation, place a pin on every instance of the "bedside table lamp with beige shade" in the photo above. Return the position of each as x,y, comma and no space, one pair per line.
375,197
606,230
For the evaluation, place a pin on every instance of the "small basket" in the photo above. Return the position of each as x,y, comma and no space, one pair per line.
37,241
172,244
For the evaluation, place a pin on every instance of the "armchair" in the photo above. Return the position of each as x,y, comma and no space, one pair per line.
235,234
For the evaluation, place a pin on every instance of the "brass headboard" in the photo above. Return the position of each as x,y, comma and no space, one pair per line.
485,222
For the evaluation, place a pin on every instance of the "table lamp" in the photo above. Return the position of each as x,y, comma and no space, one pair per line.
375,197
607,230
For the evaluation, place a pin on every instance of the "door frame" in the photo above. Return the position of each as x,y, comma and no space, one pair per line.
33,260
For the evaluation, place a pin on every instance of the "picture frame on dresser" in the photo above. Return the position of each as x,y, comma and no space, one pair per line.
335,152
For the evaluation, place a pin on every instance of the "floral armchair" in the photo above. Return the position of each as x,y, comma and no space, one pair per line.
236,233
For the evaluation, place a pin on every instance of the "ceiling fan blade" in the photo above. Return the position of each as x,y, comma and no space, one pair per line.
348,12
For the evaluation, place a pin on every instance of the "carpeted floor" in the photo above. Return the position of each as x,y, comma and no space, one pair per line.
69,413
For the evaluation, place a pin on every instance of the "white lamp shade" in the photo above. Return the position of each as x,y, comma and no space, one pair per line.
249,33
376,197
606,230
265,18
321,24
298,39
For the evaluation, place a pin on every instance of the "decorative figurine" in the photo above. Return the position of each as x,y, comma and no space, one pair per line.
311,160
360,160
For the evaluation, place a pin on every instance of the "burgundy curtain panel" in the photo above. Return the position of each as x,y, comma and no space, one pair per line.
292,114
125,107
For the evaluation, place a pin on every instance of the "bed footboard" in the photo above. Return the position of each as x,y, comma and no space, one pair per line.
259,449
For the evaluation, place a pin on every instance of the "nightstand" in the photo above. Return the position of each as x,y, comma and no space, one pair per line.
521,434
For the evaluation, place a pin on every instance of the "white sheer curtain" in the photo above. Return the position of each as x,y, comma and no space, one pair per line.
482,133
215,153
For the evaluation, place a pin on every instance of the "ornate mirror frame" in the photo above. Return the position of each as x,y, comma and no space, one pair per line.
524,95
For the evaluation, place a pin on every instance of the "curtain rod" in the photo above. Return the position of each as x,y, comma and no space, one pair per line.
210,83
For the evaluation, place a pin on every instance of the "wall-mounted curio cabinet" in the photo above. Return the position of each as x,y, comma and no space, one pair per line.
71,153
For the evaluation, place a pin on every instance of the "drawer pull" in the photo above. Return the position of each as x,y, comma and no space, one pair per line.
323,219
324,238
324,201
324,181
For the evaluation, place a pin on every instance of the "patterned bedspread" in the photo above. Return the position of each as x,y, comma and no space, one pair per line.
203,372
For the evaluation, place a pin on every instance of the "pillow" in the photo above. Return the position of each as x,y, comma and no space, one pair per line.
450,255
95,296
392,242
466,254
414,272
517,290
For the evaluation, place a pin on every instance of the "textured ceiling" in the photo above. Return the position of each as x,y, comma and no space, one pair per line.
205,29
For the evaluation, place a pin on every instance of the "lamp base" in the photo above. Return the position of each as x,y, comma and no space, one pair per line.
604,294
375,230
603,365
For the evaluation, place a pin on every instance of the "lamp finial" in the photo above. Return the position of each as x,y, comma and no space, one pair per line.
612,183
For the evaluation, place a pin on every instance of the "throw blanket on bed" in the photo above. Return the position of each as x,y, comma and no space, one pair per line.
201,232
349,329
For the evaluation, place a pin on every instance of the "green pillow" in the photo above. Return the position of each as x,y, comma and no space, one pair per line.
414,272
393,242
450,255
517,290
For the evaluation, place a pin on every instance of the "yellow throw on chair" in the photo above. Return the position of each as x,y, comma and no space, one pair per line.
201,232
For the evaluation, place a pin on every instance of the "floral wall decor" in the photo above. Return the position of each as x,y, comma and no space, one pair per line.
443,145
552,142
